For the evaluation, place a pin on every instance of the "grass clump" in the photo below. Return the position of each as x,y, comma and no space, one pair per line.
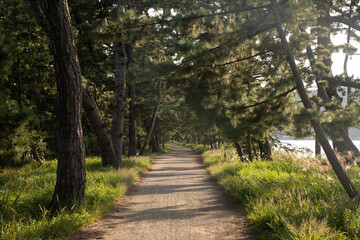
25,192
167,148
290,197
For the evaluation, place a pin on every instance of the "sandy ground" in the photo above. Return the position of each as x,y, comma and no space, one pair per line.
176,199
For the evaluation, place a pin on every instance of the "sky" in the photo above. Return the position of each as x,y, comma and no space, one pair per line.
338,58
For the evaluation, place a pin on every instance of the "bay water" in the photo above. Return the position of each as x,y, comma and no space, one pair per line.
309,144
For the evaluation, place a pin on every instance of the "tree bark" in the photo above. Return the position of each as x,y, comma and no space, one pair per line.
103,138
339,171
154,143
265,149
239,151
132,121
54,18
35,154
153,120
249,145
120,98
317,147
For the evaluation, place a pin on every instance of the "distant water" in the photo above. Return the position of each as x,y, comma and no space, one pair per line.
310,144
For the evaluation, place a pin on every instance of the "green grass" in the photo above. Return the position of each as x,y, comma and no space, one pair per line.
200,149
167,149
289,197
25,192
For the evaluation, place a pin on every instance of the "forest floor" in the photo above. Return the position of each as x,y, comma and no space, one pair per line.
176,199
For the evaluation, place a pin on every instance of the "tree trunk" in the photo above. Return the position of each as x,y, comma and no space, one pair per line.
54,18
249,145
103,138
153,120
348,90
342,142
132,121
157,142
154,144
35,154
346,144
339,171
239,151
317,147
265,149
19,84
120,98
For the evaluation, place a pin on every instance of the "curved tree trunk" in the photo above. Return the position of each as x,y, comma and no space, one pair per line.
103,138
341,140
339,171
153,120
346,144
240,151
54,18
120,98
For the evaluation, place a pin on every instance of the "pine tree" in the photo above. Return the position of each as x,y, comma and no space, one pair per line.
341,174
26,80
54,17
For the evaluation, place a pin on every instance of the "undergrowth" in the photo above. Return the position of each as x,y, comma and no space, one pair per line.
290,197
25,193
167,148
200,149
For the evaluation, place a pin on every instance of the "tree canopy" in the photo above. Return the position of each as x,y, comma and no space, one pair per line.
211,72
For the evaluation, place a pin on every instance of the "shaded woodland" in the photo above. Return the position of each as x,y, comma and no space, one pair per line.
120,78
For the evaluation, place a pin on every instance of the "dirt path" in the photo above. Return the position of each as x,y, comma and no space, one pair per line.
176,200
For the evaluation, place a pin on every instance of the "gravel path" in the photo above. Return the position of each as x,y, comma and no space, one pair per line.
175,200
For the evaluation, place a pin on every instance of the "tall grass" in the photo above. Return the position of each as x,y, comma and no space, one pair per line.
290,197
25,193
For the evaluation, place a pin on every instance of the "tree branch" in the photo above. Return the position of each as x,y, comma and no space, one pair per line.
227,12
261,29
341,82
248,35
341,19
189,18
284,94
237,60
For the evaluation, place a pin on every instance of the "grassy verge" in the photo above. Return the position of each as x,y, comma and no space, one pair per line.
290,197
25,191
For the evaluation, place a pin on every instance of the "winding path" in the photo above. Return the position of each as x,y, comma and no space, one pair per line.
175,200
